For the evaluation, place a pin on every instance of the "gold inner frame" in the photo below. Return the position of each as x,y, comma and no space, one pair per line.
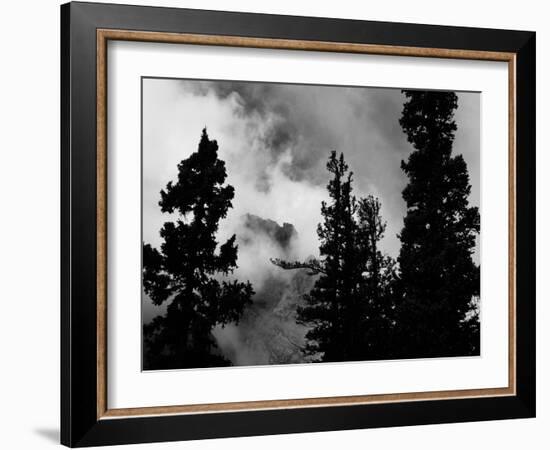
104,35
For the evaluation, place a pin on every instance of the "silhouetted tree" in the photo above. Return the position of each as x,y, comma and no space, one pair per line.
343,309
187,272
439,282
377,288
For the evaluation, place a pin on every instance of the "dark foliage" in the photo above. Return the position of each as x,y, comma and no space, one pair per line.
188,269
439,282
377,288
348,310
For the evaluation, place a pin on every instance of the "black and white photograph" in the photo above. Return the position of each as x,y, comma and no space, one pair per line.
292,223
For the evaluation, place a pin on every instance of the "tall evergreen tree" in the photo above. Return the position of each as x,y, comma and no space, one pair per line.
439,280
187,272
343,309
377,288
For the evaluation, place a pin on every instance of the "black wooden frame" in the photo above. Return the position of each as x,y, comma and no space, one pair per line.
79,423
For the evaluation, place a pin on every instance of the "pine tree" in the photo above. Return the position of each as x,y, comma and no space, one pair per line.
187,272
377,288
438,278
343,306
332,305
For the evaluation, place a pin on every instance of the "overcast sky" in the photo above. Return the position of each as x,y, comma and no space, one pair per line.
275,140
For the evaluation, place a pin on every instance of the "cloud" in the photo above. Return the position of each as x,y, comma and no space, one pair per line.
291,129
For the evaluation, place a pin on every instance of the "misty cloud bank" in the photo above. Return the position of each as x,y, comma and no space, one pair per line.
267,332
275,140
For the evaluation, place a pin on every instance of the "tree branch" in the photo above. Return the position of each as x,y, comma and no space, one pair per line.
314,266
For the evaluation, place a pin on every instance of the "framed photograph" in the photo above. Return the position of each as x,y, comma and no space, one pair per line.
277,224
